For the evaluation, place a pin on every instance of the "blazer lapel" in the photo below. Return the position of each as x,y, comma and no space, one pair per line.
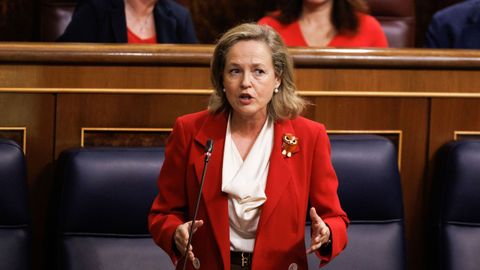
215,200
279,172
119,22
165,24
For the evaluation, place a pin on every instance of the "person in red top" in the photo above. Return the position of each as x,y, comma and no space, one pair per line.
331,23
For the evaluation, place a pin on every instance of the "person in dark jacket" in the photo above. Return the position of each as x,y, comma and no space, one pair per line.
457,26
130,21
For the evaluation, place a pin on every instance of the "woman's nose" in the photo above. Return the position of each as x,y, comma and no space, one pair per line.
246,80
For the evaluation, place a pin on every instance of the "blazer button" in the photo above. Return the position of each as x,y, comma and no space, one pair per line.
293,266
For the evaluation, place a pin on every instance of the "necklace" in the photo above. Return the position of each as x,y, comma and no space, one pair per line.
142,24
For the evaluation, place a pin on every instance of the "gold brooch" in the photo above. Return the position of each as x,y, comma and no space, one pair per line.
289,144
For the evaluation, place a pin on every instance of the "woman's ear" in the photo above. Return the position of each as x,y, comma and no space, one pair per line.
278,82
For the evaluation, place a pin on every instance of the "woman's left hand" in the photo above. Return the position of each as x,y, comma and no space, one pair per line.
320,232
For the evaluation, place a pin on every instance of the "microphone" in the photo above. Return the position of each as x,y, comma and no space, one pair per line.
208,153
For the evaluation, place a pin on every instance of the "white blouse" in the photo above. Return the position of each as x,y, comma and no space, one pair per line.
244,181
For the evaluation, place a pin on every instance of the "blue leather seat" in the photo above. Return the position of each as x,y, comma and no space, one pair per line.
370,192
105,198
14,214
457,189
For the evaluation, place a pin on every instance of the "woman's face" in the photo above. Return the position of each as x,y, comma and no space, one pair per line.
249,78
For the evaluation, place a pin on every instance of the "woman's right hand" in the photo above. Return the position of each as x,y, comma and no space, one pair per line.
181,237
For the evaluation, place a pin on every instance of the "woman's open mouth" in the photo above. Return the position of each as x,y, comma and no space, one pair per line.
246,98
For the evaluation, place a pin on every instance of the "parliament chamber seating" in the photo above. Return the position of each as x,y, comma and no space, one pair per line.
397,18
105,196
370,193
457,204
14,210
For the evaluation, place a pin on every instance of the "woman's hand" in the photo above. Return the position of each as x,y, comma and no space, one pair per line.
320,231
181,237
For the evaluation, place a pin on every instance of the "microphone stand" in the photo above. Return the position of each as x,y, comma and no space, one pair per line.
208,153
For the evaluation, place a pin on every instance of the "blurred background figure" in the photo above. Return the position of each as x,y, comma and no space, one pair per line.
457,26
130,21
332,23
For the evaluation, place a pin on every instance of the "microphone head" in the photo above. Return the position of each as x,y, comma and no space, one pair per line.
209,146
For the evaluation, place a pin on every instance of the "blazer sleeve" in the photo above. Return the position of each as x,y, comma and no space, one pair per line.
84,24
324,197
169,207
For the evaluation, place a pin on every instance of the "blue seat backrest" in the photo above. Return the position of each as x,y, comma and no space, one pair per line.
457,187
14,214
371,195
105,198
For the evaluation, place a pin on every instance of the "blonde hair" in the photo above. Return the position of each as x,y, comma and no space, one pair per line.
285,104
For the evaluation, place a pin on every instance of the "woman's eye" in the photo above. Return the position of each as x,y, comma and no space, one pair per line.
234,71
259,72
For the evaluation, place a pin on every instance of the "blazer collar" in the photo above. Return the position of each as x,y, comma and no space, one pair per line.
165,23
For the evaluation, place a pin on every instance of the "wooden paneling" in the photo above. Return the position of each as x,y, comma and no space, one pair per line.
61,76
403,80
77,111
450,115
124,137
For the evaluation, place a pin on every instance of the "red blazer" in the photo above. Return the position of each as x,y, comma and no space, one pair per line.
292,182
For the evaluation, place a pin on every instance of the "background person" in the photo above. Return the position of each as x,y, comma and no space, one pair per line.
457,26
267,165
132,21
331,23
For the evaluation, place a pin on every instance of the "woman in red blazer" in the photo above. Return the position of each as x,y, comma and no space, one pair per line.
268,165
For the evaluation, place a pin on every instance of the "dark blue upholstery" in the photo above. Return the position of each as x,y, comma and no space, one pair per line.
457,184
105,199
14,216
370,192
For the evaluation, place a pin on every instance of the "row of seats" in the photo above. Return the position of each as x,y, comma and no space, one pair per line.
397,18
105,195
